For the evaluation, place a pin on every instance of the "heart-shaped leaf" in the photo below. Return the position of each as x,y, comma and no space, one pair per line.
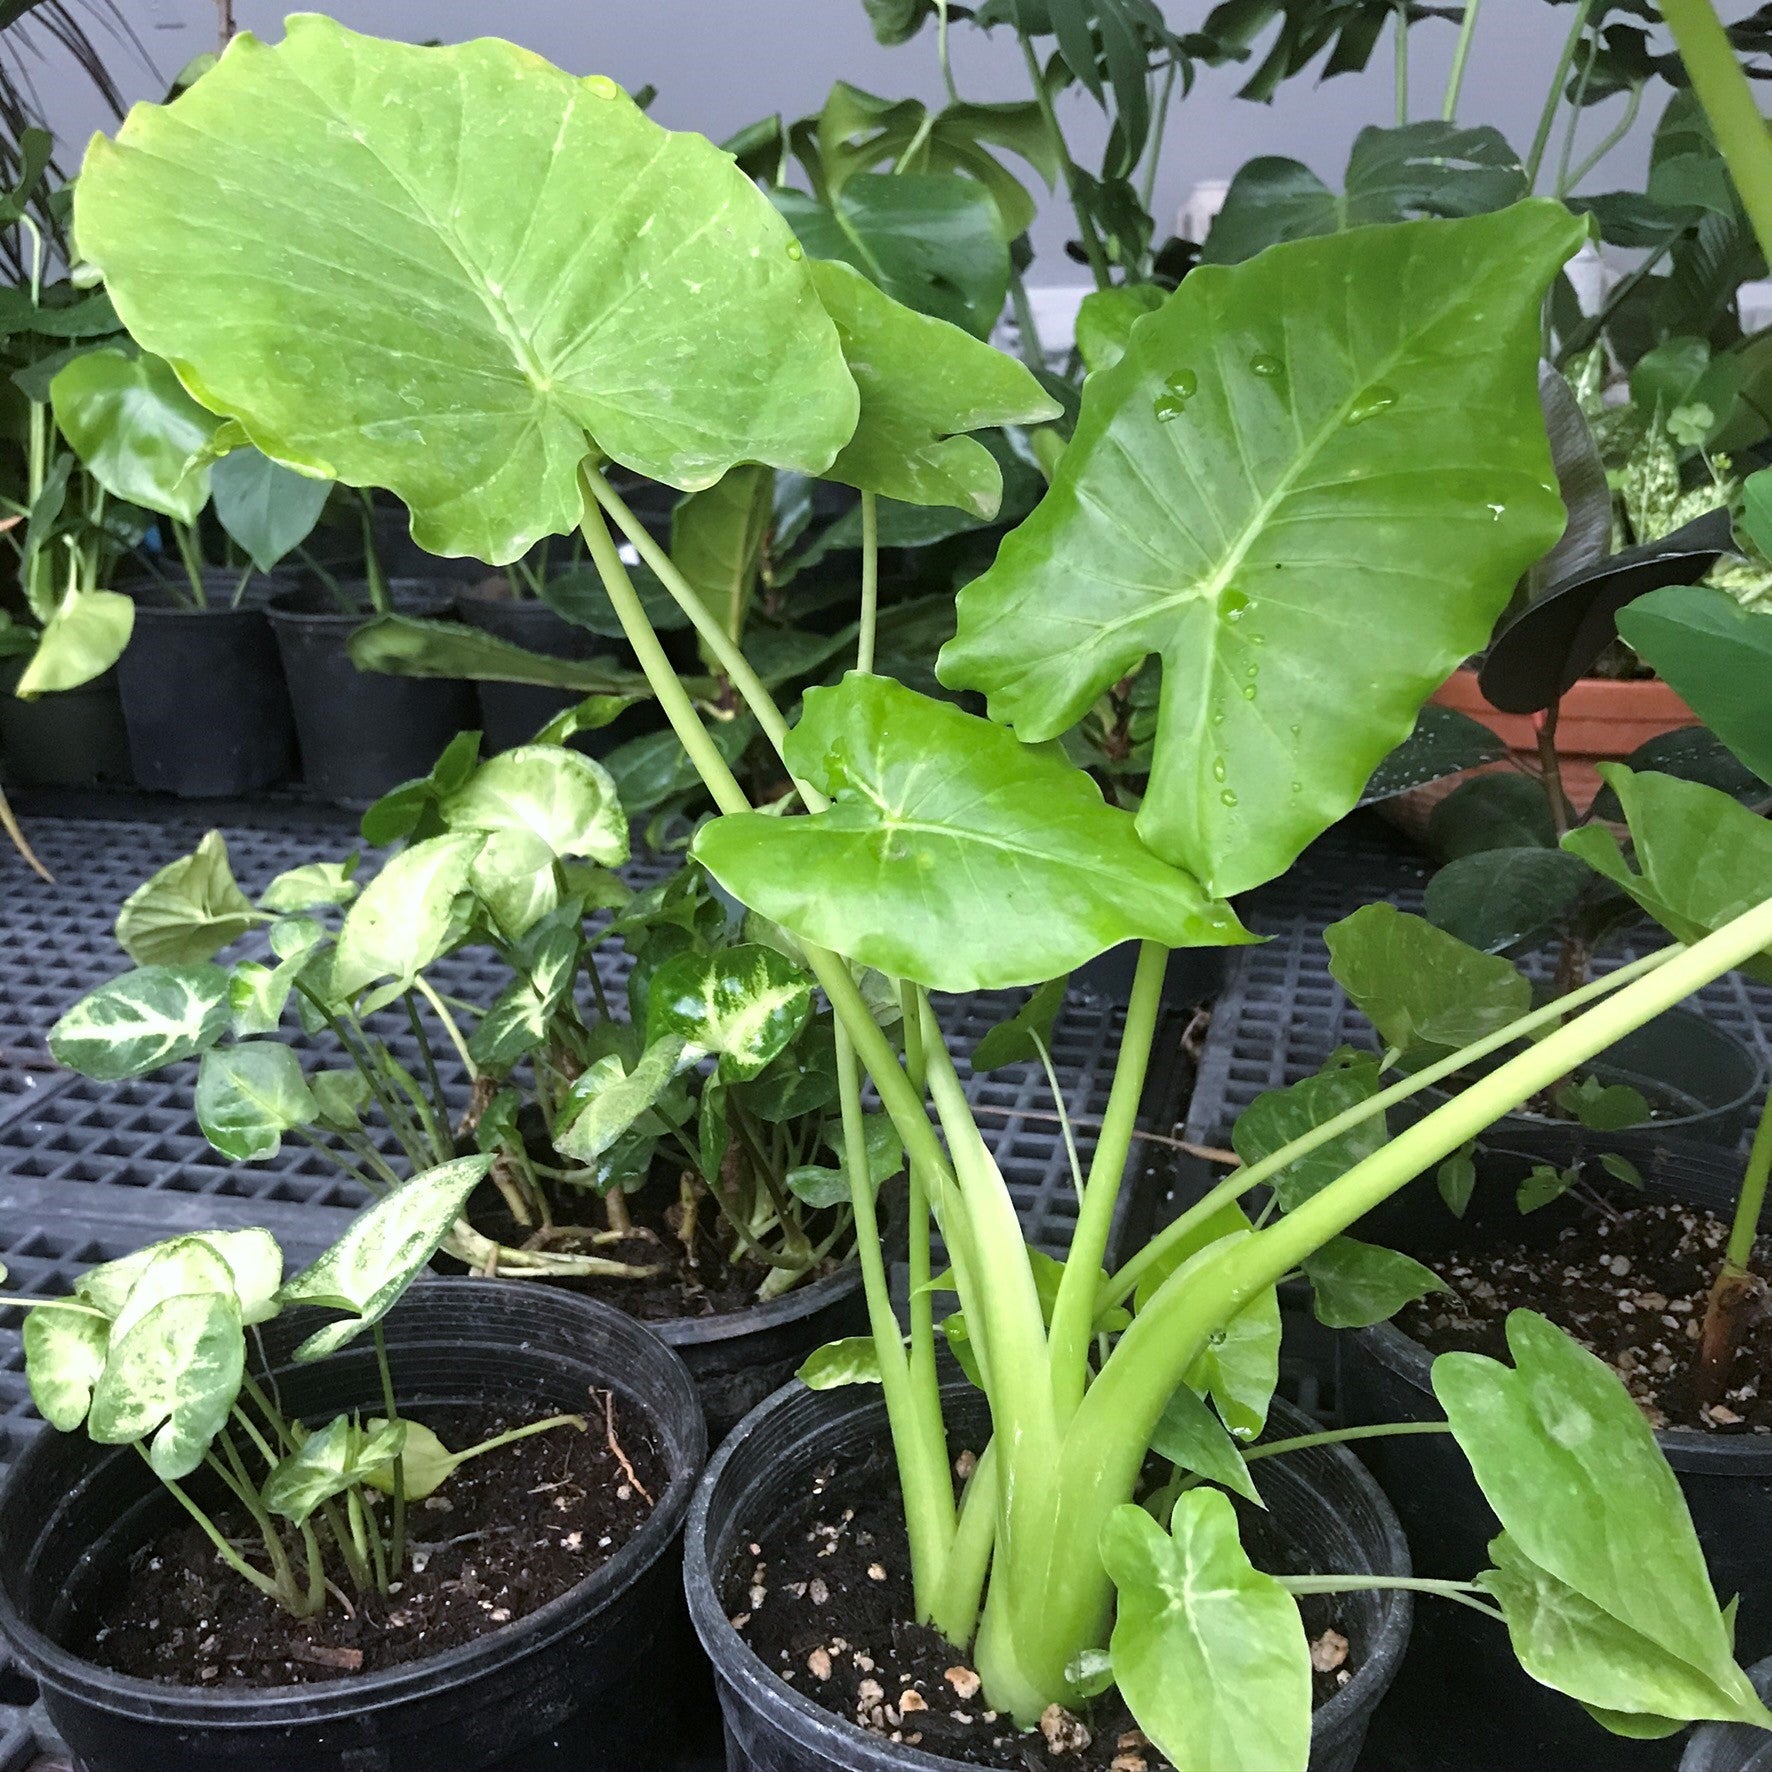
1716,655
142,1021
191,909
1504,898
1209,1652
1354,1285
405,917
1571,1468
469,315
382,1252
249,1095
1425,991
1701,857
338,1457
252,1262
1444,742
609,1098
1106,318
954,855
743,1004
270,510
1276,1117
565,801
923,384
1018,1040
64,1356
140,435
83,637
175,1374
1264,481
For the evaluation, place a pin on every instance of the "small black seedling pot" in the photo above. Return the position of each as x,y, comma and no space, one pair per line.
604,1676
1459,1665
1321,1497
738,1358
1733,1747
203,695
362,732
72,739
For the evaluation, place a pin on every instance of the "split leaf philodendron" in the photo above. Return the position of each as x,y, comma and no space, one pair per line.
151,1351
1308,486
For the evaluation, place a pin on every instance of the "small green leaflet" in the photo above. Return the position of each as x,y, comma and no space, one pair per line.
853,1360
249,1095
1355,1285
327,1463
607,1100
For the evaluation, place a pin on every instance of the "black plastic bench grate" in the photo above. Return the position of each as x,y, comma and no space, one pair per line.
1281,1014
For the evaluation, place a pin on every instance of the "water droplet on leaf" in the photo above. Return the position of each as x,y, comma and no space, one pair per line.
795,250
602,86
1228,798
1218,769
1232,604
1266,365
1249,692
1376,399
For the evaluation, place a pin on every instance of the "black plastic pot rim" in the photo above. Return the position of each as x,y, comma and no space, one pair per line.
739,1665
320,1700
1686,1448
405,599
752,1319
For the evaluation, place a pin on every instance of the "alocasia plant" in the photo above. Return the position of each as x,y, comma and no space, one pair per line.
1271,491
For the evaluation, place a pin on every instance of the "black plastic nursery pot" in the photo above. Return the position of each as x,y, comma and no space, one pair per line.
603,1677
1733,1747
203,695
362,732
737,1358
512,713
72,739
1321,1497
1191,976
1460,1665
1700,1079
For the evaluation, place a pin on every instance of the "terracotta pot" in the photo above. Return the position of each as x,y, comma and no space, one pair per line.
1602,719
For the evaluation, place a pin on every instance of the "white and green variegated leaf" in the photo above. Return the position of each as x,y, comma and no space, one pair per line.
743,1004
187,912
382,1252
249,1095
517,1020
258,994
566,801
311,886
1209,1652
340,1097
173,1374
609,1098
64,1355
177,1268
341,1455
853,1360
142,1021
405,917
252,1258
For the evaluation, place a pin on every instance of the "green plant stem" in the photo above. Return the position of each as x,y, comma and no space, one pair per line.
1048,1613
1575,113
922,1466
1553,98
962,1581
186,541
1610,139
1073,1313
941,51
1033,352
398,1558
1064,1117
1464,1593
1728,101
1752,1198
870,582
1148,184
1092,248
510,1438
1113,1291
223,1549
372,572
1460,55
1400,77
439,1130
250,1429
449,1024
1341,1435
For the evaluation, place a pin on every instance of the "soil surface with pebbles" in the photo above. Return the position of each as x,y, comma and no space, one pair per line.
1631,1285
823,1600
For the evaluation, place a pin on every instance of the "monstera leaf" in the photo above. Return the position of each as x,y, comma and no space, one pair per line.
923,383
1263,482
953,855
483,260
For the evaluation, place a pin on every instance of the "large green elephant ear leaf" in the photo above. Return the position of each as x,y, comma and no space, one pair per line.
924,383
954,854
1337,441
483,259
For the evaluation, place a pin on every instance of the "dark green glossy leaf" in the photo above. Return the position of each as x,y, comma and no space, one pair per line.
1278,1116
416,646
1504,898
1492,812
953,855
1192,1438
1354,1285
1018,1040
1444,742
1256,488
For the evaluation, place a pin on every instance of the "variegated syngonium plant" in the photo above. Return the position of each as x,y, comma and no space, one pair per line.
509,854
1307,485
151,1351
